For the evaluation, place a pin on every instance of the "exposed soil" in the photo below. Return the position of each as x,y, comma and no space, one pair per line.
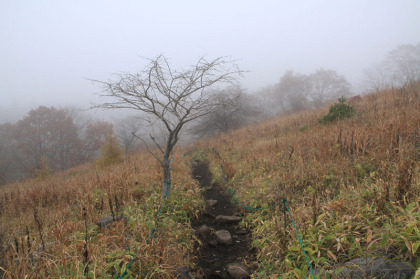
213,259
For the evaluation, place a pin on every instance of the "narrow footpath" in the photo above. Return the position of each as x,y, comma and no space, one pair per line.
225,248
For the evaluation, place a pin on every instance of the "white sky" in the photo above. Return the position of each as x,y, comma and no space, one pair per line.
48,48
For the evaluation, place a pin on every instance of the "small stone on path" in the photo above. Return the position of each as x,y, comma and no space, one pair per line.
204,229
238,271
224,237
223,219
211,202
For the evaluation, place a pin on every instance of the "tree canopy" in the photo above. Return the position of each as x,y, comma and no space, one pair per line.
170,97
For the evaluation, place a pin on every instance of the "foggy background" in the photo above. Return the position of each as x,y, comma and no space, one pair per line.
49,48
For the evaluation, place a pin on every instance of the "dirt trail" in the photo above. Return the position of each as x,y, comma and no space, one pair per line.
213,256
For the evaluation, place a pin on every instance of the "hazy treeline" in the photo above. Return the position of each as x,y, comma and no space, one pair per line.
294,92
48,139
297,92
52,139
400,67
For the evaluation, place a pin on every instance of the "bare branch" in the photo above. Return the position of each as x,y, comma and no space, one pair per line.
147,148
156,143
172,97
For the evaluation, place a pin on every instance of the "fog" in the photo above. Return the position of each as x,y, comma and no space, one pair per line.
49,49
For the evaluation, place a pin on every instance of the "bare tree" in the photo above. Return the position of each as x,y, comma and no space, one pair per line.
375,78
173,98
296,92
403,64
325,86
292,91
400,67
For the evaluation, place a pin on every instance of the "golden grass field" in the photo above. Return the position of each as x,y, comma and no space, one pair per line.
352,186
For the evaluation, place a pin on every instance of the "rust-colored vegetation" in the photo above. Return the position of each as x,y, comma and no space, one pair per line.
48,227
342,180
352,186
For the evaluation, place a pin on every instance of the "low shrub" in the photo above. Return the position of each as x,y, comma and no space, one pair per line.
338,111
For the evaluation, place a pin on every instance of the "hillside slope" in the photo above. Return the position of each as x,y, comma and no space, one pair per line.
353,186
48,227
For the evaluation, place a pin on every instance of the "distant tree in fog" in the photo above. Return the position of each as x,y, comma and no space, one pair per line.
126,131
404,64
292,91
375,78
326,86
401,66
296,92
234,110
46,132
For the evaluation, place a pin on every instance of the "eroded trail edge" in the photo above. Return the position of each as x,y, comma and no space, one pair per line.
225,251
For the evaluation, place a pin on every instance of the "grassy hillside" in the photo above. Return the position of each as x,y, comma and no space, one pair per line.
352,186
43,232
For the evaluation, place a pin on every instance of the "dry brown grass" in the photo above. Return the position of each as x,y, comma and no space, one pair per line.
382,133
342,180
43,226
330,174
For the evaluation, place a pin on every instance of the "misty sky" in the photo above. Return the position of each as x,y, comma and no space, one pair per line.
48,48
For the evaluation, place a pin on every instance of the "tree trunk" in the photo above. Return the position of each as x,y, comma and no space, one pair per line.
166,183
